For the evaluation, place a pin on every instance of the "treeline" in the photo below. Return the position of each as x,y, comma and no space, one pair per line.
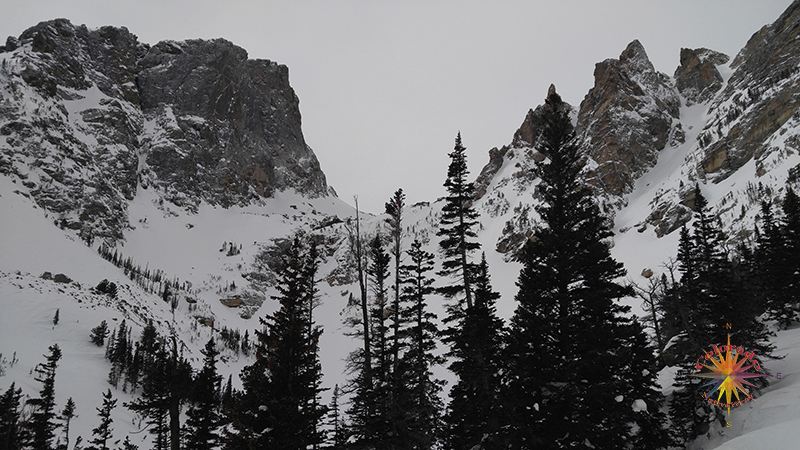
31,423
571,369
154,281
715,292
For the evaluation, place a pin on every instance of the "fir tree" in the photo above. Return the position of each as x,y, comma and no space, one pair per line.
714,293
373,406
203,417
226,399
771,264
337,425
56,318
790,230
119,354
567,309
12,432
378,274
152,403
360,361
67,414
394,209
128,445
278,408
458,223
165,387
103,432
474,413
419,402
99,334
42,423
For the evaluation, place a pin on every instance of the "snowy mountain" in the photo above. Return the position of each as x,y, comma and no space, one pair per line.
188,160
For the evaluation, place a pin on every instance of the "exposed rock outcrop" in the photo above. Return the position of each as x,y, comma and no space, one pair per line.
697,77
525,139
87,117
761,96
237,122
626,119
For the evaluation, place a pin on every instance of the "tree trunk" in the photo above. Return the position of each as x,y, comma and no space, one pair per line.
364,308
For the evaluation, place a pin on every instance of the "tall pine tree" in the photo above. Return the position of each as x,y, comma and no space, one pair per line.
279,407
203,416
457,229
103,432
419,398
473,417
67,414
12,433
562,389
41,424
394,209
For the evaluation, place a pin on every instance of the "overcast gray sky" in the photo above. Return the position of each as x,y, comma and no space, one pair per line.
385,86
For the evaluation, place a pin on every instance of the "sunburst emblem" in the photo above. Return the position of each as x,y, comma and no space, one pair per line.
729,375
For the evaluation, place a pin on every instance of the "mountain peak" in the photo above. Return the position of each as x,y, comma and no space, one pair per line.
626,119
697,77
634,58
196,120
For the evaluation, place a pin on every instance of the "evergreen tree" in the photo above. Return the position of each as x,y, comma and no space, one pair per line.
567,309
103,432
337,425
474,413
458,223
42,423
12,432
165,387
134,369
226,399
360,361
714,294
67,414
99,334
394,209
119,354
128,445
373,406
279,408
203,417
771,264
378,274
152,403
55,318
790,231
419,424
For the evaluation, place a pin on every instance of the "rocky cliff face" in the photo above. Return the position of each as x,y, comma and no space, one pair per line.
88,117
697,78
712,120
761,97
629,116
626,119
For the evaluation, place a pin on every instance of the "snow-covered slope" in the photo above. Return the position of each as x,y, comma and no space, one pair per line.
214,252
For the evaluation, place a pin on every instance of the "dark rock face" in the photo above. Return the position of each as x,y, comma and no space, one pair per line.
237,122
87,117
626,119
697,78
761,95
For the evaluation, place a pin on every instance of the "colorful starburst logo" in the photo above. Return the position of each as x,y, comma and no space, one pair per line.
729,374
